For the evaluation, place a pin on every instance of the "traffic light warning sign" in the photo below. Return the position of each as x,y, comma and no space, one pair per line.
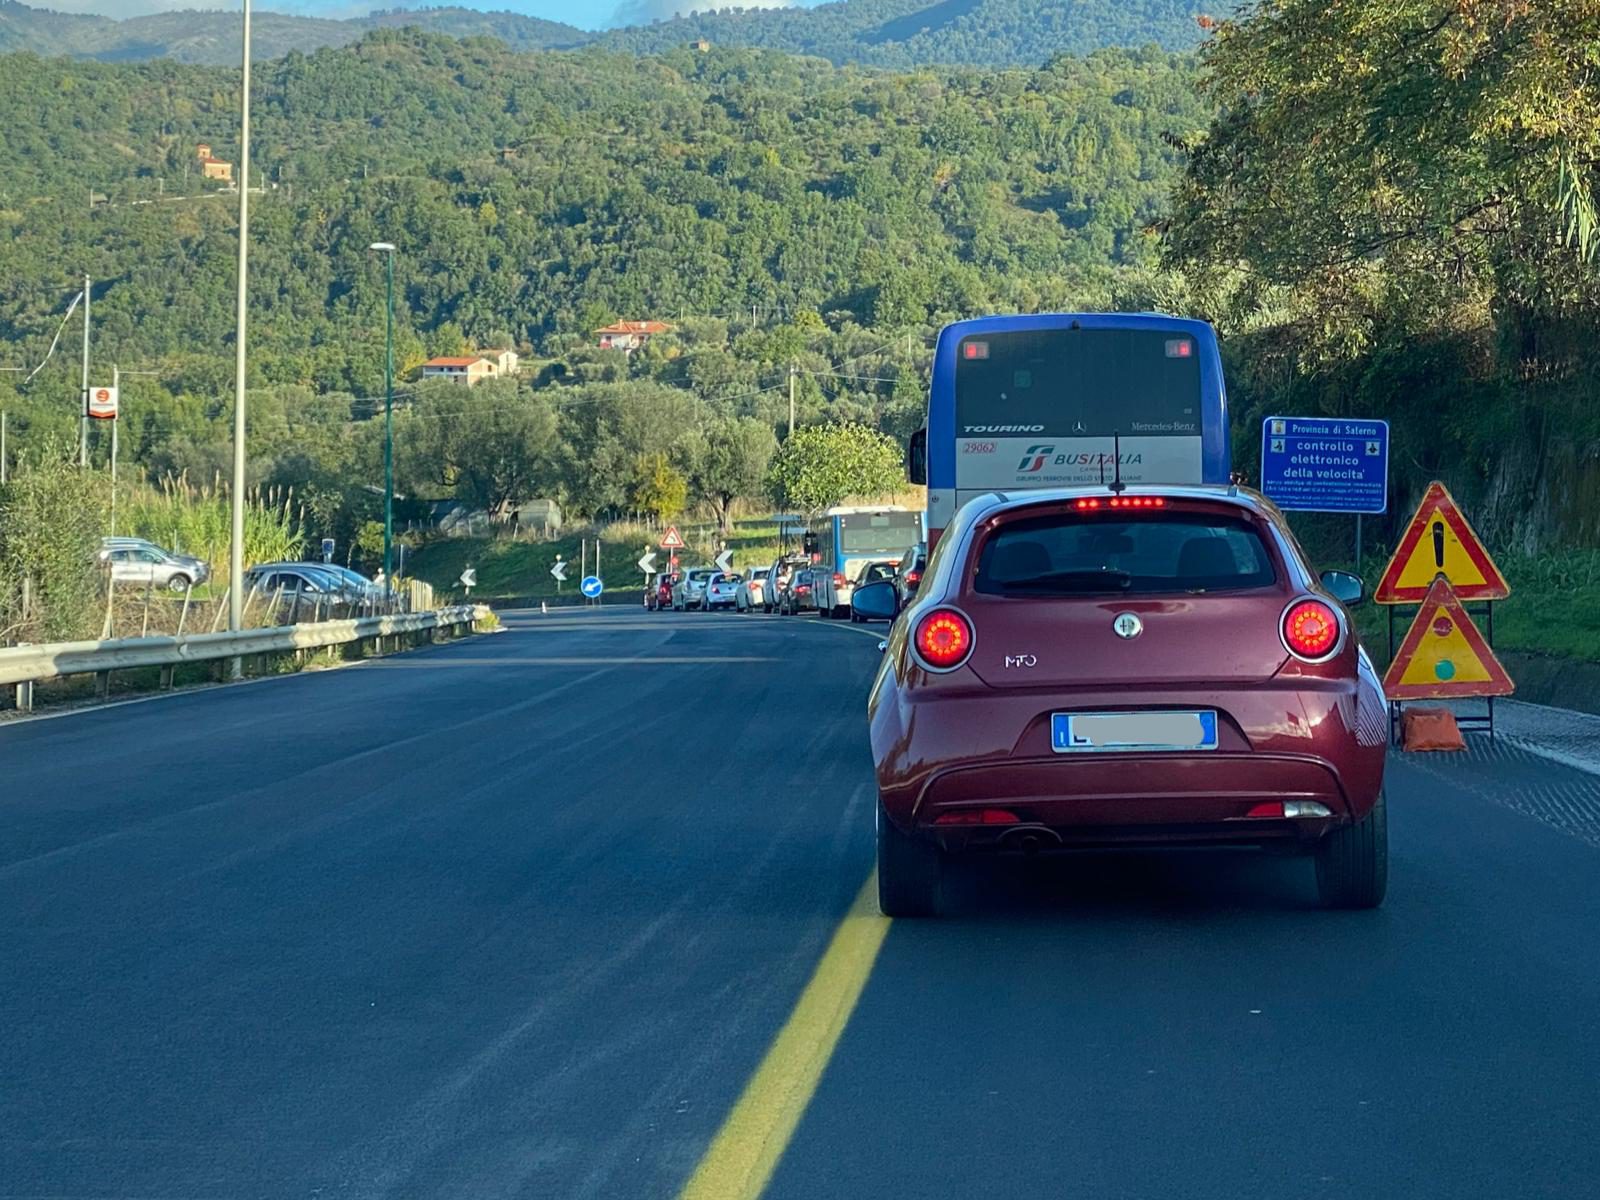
1444,656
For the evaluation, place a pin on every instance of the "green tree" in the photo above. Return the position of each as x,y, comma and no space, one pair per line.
490,447
737,454
658,488
822,464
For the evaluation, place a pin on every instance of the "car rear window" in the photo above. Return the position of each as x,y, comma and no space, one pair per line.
726,579
1101,553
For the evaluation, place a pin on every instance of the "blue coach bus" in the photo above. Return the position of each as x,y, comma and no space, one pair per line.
1040,401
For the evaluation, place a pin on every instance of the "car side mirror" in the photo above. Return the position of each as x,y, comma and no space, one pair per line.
875,602
1344,587
917,457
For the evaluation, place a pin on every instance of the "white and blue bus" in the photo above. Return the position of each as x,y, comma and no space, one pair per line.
1040,401
847,540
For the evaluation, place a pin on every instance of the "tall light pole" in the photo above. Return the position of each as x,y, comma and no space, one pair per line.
387,250
237,498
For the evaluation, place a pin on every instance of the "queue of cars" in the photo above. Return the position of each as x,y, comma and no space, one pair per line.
789,586
1092,667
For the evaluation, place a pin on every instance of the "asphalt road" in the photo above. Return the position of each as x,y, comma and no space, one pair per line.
521,916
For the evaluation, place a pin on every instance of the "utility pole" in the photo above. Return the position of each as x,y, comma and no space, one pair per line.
83,400
794,372
236,549
116,388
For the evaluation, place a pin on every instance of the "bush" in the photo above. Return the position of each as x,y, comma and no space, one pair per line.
52,514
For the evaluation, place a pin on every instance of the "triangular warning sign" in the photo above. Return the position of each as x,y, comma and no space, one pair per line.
1439,541
1444,656
671,539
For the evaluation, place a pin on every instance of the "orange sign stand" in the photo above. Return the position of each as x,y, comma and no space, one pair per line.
1444,656
1440,541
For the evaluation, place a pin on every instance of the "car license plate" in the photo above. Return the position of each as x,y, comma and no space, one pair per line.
1075,733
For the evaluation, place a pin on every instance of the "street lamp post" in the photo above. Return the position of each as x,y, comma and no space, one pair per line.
387,250
236,495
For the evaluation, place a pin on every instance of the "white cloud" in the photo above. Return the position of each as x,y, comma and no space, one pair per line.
585,13
642,12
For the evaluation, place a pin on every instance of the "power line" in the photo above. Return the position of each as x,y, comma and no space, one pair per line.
56,341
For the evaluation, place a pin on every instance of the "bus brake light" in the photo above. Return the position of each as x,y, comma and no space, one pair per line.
971,350
1180,348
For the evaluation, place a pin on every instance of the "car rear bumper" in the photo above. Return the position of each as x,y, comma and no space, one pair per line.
1278,744
1108,799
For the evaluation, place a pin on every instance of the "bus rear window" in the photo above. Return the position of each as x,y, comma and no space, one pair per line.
879,532
1151,554
1079,383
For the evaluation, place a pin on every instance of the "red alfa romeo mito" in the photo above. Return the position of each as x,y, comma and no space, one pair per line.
1150,666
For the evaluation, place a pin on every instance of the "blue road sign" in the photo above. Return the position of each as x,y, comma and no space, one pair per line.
327,549
1325,464
591,587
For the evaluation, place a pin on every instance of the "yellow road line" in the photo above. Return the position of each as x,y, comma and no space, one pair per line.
741,1158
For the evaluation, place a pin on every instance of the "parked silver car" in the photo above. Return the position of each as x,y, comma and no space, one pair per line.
144,564
300,582
690,591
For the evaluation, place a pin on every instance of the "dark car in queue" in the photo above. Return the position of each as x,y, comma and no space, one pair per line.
801,593
1157,667
908,576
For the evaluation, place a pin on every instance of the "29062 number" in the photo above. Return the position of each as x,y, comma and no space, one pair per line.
978,447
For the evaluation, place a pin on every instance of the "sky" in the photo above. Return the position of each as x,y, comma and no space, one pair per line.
586,14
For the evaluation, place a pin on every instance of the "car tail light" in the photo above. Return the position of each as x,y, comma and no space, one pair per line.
979,816
802,587
838,580
944,639
1311,630
913,577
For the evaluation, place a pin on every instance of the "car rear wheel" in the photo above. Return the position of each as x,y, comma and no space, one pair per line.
909,872
1353,862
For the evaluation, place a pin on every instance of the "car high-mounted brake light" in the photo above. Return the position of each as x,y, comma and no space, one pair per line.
1311,630
1092,502
944,639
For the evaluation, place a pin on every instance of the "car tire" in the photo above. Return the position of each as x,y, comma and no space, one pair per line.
179,583
910,872
1353,861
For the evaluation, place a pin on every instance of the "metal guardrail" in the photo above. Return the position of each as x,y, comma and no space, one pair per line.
27,664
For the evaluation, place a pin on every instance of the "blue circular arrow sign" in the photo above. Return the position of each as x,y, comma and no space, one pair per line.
591,587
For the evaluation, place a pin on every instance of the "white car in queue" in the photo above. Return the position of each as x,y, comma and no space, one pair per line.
722,591
752,592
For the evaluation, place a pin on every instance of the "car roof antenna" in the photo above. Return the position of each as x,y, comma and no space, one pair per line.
1117,486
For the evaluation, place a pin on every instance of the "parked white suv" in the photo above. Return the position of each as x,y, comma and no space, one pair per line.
137,562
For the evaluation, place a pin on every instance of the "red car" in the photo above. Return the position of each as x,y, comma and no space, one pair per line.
658,596
1082,667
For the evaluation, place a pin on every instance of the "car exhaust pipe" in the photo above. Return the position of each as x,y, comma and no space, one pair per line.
1030,839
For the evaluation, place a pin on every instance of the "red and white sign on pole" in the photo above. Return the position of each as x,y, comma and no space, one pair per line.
103,403
672,539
